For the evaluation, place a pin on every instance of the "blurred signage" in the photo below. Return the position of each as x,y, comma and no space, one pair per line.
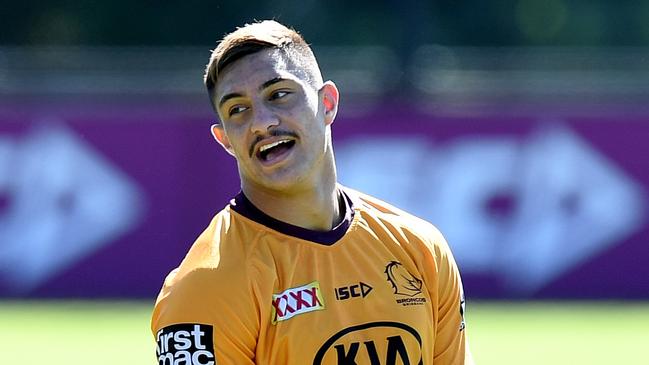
527,209
62,202
105,200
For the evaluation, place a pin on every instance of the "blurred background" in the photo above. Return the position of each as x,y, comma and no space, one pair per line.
520,128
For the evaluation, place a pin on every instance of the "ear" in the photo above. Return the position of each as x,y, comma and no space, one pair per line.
329,96
219,135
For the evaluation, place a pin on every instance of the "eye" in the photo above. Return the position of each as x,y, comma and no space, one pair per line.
236,110
278,94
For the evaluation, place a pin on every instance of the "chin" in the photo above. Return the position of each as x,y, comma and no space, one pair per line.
283,179
284,184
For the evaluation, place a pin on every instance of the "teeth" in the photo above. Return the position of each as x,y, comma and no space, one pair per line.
271,145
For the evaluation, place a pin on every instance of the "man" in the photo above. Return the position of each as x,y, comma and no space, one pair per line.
298,269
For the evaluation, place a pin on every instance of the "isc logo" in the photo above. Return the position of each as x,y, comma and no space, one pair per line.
353,291
294,301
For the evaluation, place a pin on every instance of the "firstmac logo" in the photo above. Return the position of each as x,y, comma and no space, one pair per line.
186,344
294,301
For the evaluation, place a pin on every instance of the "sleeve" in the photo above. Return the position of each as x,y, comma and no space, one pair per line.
450,347
205,316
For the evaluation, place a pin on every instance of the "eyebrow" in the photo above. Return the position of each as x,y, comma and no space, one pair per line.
266,84
271,82
227,97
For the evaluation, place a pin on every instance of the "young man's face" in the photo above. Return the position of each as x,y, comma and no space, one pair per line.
274,123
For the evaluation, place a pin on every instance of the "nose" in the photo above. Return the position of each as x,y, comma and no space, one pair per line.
263,120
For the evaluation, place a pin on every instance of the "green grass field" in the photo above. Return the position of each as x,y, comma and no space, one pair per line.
500,333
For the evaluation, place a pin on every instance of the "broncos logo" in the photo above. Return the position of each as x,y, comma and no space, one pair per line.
403,282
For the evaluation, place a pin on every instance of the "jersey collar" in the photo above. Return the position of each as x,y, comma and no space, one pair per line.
243,206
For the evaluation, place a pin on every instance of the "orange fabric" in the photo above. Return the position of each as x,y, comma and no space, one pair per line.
387,291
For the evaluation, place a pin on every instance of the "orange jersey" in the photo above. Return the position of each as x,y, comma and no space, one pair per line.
380,288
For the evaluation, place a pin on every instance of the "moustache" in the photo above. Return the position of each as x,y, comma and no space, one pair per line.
272,133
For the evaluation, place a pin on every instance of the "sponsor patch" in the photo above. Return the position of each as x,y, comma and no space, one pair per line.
377,343
186,344
462,310
360,290
294,301
407,287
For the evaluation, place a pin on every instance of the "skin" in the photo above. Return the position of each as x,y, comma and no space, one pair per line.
263,98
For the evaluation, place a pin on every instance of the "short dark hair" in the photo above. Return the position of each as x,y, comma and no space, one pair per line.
252,38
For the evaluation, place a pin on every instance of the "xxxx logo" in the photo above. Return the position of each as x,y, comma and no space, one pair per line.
294,301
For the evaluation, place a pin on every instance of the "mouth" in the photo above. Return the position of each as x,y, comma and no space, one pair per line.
269,153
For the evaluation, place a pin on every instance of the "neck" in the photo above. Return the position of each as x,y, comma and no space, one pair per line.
316,208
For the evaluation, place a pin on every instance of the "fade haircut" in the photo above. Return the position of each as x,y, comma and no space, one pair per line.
258,36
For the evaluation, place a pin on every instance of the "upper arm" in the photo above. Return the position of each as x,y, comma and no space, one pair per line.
204,315
450,345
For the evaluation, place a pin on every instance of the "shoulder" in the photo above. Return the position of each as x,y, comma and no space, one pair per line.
374,209
224,245
214,268
414,234
218,239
